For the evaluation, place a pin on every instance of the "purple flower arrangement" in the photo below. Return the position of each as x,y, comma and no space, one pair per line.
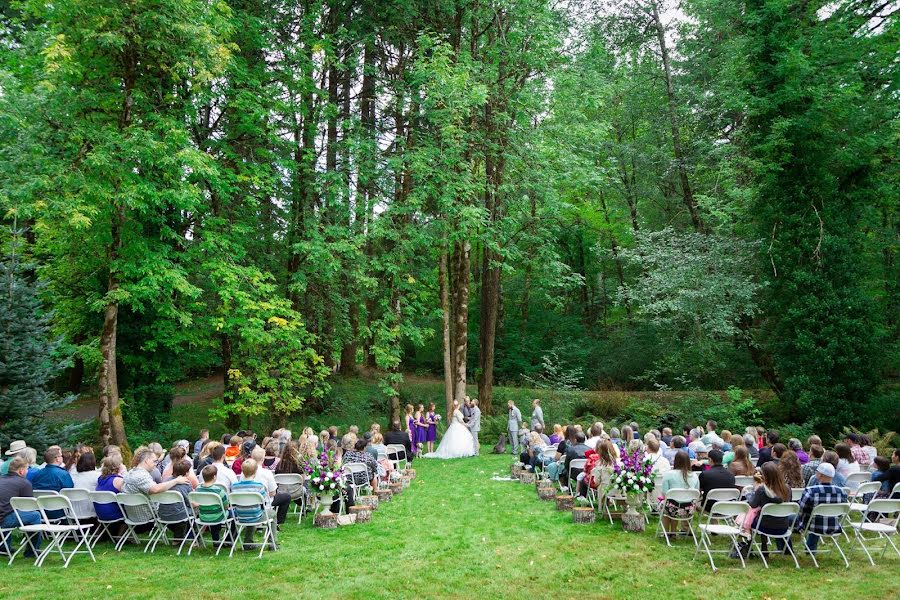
633,474
324,472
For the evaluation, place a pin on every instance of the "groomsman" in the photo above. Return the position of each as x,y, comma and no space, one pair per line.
513,423
467,409
537,415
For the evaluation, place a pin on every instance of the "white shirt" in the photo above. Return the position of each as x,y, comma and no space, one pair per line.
592,442
660,464
86,480
225,476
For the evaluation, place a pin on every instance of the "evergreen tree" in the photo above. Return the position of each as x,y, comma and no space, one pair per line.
29,361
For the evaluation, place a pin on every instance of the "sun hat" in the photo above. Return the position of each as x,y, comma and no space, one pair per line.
16,447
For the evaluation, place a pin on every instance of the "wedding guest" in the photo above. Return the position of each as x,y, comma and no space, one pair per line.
208,513
770,489
832,459
577,450
225,476
815,458
736,442
790,469
557,436
398,437
655,454
846,460
740,464
750,443
598,470
14,485
715,477
860,456
892,476
823,491
867,447
795,445
86,472
680,477
421,428
537,414
666,436
53,476
198,445
765,453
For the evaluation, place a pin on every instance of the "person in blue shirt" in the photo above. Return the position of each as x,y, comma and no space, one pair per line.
53,476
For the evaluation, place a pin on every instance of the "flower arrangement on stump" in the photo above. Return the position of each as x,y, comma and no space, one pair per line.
633,477
326,478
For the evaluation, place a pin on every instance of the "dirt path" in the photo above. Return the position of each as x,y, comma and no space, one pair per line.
185,393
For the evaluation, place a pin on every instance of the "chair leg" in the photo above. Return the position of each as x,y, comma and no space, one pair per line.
862,543
812,554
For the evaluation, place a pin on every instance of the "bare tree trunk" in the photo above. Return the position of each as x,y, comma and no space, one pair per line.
445,313
614,247
112,426
686,192
461,311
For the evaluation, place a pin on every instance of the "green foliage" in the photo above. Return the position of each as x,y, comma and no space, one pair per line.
148,406
882,441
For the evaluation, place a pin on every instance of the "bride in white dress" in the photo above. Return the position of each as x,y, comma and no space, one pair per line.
457,441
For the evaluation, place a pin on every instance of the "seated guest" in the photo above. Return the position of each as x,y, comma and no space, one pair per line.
280,501
736,442
750,443
615,436
385,467
53,476
397,436
234,448
171,512
880,473
577,450
246,450
30,456
357,454
109,481
795,445
832,459
16,448
867,447
176,454
654,453
14,485
212,514
139,481
557,435
599,469
680,477
678,443
860,456
823,491
86,472
790,469
711,438
847,464
741,464
815,458
715,477
770,489
198,445
627,437
203,459
270,462
666,436
891,477
251,514
765,454
226,477
594,434
539,429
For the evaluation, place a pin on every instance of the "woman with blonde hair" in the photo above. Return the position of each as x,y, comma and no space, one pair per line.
736,441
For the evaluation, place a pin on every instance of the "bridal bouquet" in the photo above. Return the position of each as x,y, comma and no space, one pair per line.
632,475
325,474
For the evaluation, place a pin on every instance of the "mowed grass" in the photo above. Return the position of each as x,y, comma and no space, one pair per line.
454,534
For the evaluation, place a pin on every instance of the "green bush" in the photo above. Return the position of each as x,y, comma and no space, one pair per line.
165,433
147,406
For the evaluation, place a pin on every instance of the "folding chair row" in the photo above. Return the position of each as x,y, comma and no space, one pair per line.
57,529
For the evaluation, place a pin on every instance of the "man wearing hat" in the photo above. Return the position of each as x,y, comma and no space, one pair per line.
822,491
15,449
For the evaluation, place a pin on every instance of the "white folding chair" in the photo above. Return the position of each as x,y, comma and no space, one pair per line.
351,469
29,532
721,520
252,501
721,495
880,518
895,493
681,496
576,464
399,452
171,510
855,479
59,533
742,481
796,494
784,510
106,526
858,503
839,512
201,499
81,502
292,484
138,511
41,493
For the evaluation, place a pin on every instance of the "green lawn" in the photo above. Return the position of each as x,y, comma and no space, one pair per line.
453,534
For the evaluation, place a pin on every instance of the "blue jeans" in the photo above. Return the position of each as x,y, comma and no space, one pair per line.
29,517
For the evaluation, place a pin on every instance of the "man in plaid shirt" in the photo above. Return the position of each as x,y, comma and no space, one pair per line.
859,455
821,492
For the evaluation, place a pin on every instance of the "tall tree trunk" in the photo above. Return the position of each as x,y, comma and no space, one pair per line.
449,380
232,421
614,247
461,312
680,159
112,426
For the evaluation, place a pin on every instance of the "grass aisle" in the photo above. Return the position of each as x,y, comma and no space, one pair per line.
454,534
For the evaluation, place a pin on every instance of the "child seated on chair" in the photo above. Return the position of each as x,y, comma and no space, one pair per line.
213,514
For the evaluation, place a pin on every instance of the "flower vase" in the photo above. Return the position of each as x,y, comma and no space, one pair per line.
326,498
632,520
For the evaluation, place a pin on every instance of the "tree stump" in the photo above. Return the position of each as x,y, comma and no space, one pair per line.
370,501
326,520
544,483
526,477
383,495
564,502
583,514
546,493
406,480
516,468
411,473
396,488
362,513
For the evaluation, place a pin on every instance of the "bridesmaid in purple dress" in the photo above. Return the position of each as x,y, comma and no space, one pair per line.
431,434
411,427
421,427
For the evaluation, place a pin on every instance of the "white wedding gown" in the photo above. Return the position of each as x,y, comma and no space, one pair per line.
457,441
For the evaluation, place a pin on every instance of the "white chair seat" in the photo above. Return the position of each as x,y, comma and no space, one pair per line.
52,528
858,507
720,529
874,527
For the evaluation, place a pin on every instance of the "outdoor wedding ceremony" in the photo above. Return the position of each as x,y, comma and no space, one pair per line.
433,299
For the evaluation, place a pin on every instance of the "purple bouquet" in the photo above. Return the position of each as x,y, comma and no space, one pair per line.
324,472
633,474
